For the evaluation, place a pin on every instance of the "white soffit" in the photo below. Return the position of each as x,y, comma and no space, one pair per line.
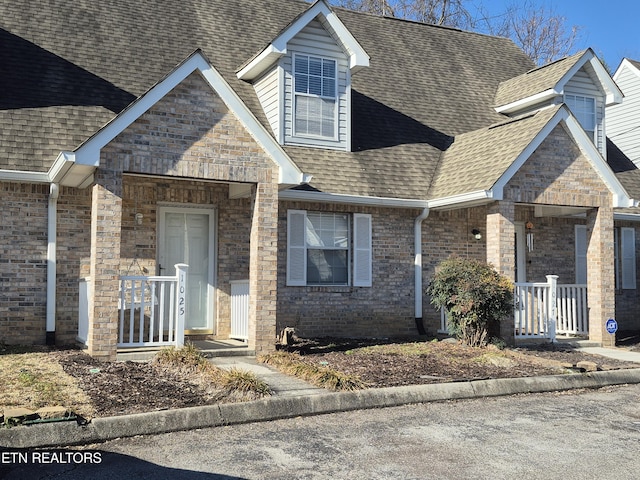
358,58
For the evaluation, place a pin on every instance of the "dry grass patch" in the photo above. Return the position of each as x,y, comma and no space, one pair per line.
236,383
36,379
319,375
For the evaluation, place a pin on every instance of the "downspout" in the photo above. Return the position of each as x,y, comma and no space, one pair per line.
52,220
417,239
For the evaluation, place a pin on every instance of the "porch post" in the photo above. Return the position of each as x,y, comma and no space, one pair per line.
106,220
500,235
600,272
181,302
263,269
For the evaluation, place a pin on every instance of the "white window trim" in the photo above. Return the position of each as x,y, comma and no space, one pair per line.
335,98
595,113
359,253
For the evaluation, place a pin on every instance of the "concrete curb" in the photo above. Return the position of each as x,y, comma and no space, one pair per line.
103,429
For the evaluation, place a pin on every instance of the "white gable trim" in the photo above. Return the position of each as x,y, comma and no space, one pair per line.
586,146
358,58
628,65
89,152
612,91
528,101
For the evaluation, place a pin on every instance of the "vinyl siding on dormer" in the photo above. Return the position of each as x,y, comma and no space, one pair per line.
267,89
316,41
623,120
581,84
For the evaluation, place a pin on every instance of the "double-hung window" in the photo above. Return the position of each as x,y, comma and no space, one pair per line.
321,249
584,109
315,85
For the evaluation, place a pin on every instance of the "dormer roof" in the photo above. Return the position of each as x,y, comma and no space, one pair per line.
277,48
544,83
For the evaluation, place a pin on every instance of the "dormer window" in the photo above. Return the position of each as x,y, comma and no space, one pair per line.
315,86
584,109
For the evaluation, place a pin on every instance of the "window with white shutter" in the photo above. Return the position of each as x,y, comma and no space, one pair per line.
320,249
362,271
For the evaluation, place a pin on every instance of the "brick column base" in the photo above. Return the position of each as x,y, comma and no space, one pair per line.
600,273
106,219
263,275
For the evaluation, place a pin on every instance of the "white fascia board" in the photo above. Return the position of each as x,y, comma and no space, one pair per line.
528,101
358,58
324,197
89,152
620,196
611,89
260,63
463,200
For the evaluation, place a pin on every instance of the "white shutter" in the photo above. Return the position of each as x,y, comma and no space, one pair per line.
362,271
581,254
628,257
296,248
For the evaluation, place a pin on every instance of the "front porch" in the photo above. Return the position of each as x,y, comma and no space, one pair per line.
152,312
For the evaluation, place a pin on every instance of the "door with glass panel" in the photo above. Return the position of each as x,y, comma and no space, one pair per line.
187,235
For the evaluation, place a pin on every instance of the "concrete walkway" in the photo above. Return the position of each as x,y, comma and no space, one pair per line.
281,384
615,353
293,398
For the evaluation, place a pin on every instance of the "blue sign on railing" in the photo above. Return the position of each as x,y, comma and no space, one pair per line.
612,326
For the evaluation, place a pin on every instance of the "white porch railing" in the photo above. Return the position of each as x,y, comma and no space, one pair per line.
535,315
152,310
544,310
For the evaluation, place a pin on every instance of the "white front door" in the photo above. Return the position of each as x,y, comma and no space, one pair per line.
187,235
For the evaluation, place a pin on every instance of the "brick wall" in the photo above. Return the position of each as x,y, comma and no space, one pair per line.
386,308
23,263
73,256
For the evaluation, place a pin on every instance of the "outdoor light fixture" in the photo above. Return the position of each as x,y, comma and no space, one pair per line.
139,218
476,233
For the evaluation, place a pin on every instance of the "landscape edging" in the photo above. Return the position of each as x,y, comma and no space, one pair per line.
102,429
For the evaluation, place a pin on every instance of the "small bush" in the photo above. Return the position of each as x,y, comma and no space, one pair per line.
474,295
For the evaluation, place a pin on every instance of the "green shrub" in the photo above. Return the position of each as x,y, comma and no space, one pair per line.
475,297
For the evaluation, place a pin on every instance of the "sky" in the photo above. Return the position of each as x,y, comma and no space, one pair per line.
610,27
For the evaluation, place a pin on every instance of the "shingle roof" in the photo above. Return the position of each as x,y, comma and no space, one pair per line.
69,67
477,160
535,81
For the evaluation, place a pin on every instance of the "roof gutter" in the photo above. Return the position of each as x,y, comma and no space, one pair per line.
464,200
323,197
